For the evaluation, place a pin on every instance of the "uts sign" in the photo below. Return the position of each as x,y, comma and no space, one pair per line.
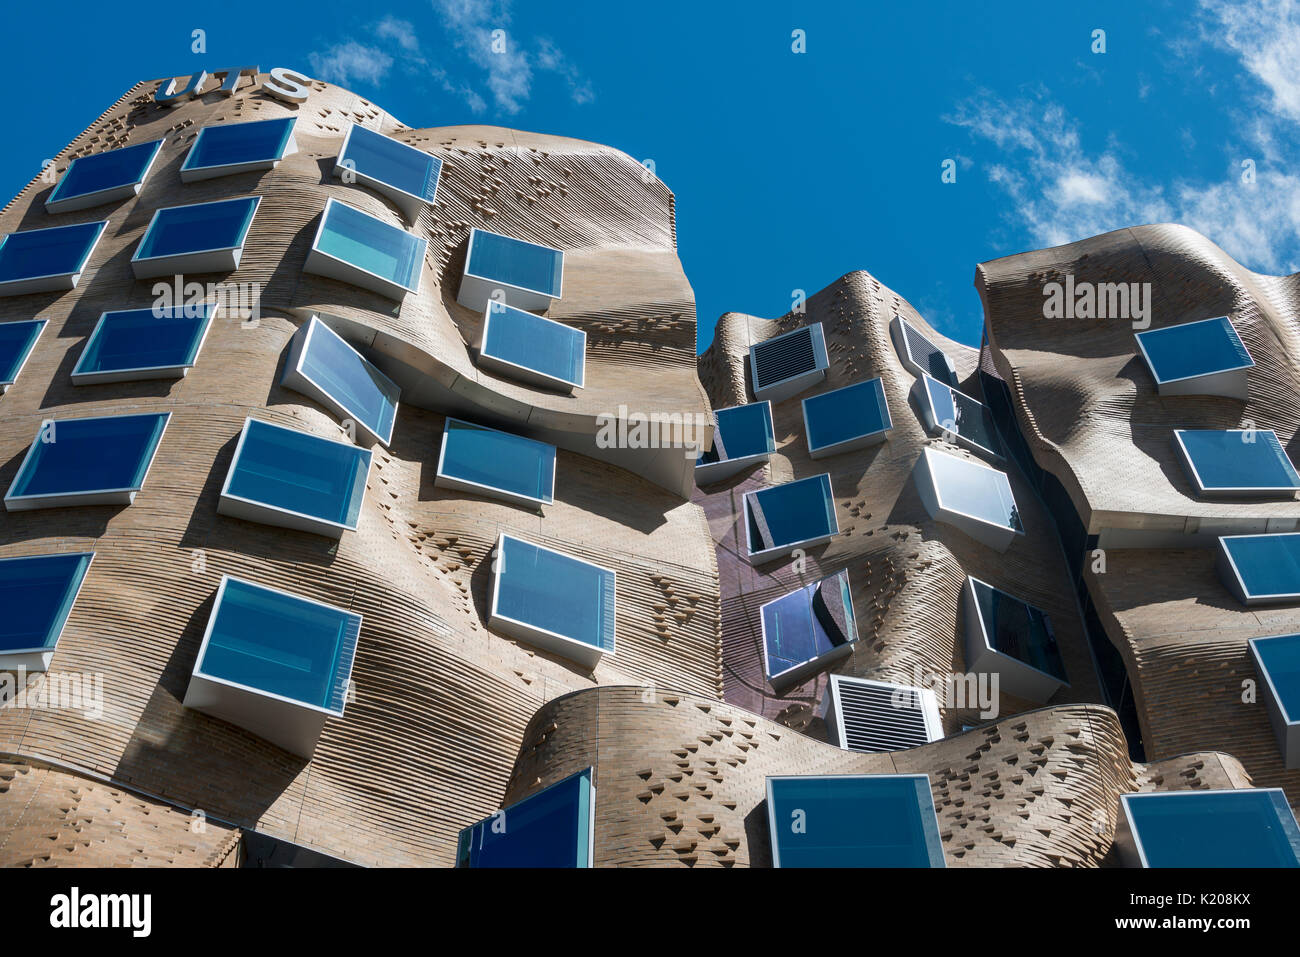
283,84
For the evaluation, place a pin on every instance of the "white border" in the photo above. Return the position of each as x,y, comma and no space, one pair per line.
856,441
54,281
796,383
898,328
295,377
107,194
456,483
193,260
805,669
139,373
45,652
1245,491
1004,530
971,582
590,771
409,203
927,704
780,551
709,472
1136,838
195,174
1238,583
1151,366
525,373
469,255
31,347
931,416
321,263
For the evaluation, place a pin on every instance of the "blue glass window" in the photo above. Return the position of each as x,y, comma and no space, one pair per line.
498,464
44,260
137,344
1236,460
323,366
16,342
103,177
743,431
864,820
237,147
531,347
355,247
782,517
1193,349
381,161
960,416
181,237
842,419
1244,828
973,490
1280,657
1263,568
1017,629
37,593
513,262
806,628
551,828
90,461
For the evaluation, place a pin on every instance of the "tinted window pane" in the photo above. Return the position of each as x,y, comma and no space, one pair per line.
742,431
958,413
794,512
498,460
137,339
550,829
844,414
1193,349
47,252
370,244
556,593
192,229
803,625
366,393
523,339
396,164
1281,658
16,340
1267,564
238,143
1019,630
974,490
1245,828
88,455
929,357
36,594
104,171
515,262
1227,460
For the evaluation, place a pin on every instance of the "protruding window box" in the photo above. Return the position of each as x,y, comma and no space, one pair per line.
1013,640
92,461
499,268
406,175
200,238
781,518
744,437
532,349
1197,358
136,344
230,148
46,260
17,339
1261,569
919,355
1236,463
1247,827
101,178
483,461
786,365
969,496
37,593
552,600
956,417
356,248
275,664
552,828
875,716
846,419
1277,659
323,367
280,476
807,631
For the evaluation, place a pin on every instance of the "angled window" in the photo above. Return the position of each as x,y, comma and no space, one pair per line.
497,464
93,461
1197,358
46,260
532,349
1277,659
807,630
322,366
970,496
853,820
781,518
280,476
203,237
274,664
138,344
1014,640
552,828
919,355
1248,827
956,416
1242,463
744,437
356,248
872,716
787,364
102,178
37,593
530,276
238,148
846,419
553,600
406,175
16,342
1261,569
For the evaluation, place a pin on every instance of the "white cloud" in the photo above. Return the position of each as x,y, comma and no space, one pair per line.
347,62
478,29
399,31
551,58
1265,36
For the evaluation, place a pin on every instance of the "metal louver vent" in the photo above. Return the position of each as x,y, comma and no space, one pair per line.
788,363
875,716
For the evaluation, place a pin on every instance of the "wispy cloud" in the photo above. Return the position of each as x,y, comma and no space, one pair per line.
351,62
551,58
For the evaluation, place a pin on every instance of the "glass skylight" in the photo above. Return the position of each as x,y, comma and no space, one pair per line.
137,344
1248,827
807,629
743,436
91,461
553,600
280,476
46,260
1242,462
404,174
529,275
324,367
781,518
497,464
846,419
203,237
956,416
552,828
859,820
16,342
238,148
102,178
787,364
970,496
1261,569
1197,358
1013,639
532,348
37,593
1277,659
919,355
356,248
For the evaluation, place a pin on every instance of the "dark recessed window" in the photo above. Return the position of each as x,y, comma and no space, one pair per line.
46,260
16,342
37,593
552,828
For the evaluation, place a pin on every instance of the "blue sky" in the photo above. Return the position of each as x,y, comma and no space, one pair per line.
790,169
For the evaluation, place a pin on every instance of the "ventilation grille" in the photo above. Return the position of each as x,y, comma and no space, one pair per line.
871,720
784,358
927,355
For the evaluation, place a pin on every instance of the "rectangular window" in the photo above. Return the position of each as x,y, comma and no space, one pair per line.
552,828
497,464
102,178
280,476
203,237
46,260
238,148
356,248
1013,639
1247,827
1197,358
1236,462
406,175
970,496
17,340
532,349
529,275
919,355
874,716
1261,569
781,518
552,600
37,593
1277,659
137,344
807,630
324,367
956,416
787,364
743,437
846,419
92,461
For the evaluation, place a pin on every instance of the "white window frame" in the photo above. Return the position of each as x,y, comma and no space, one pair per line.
476,291
930,416
781,551
38,659
321,263
1230,382
55,281
214,259
410,204
194,174
796,674
22,363
1015,676
444,480
523,373
708,472
1246,491
998,537
108,194
862,441
138,373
